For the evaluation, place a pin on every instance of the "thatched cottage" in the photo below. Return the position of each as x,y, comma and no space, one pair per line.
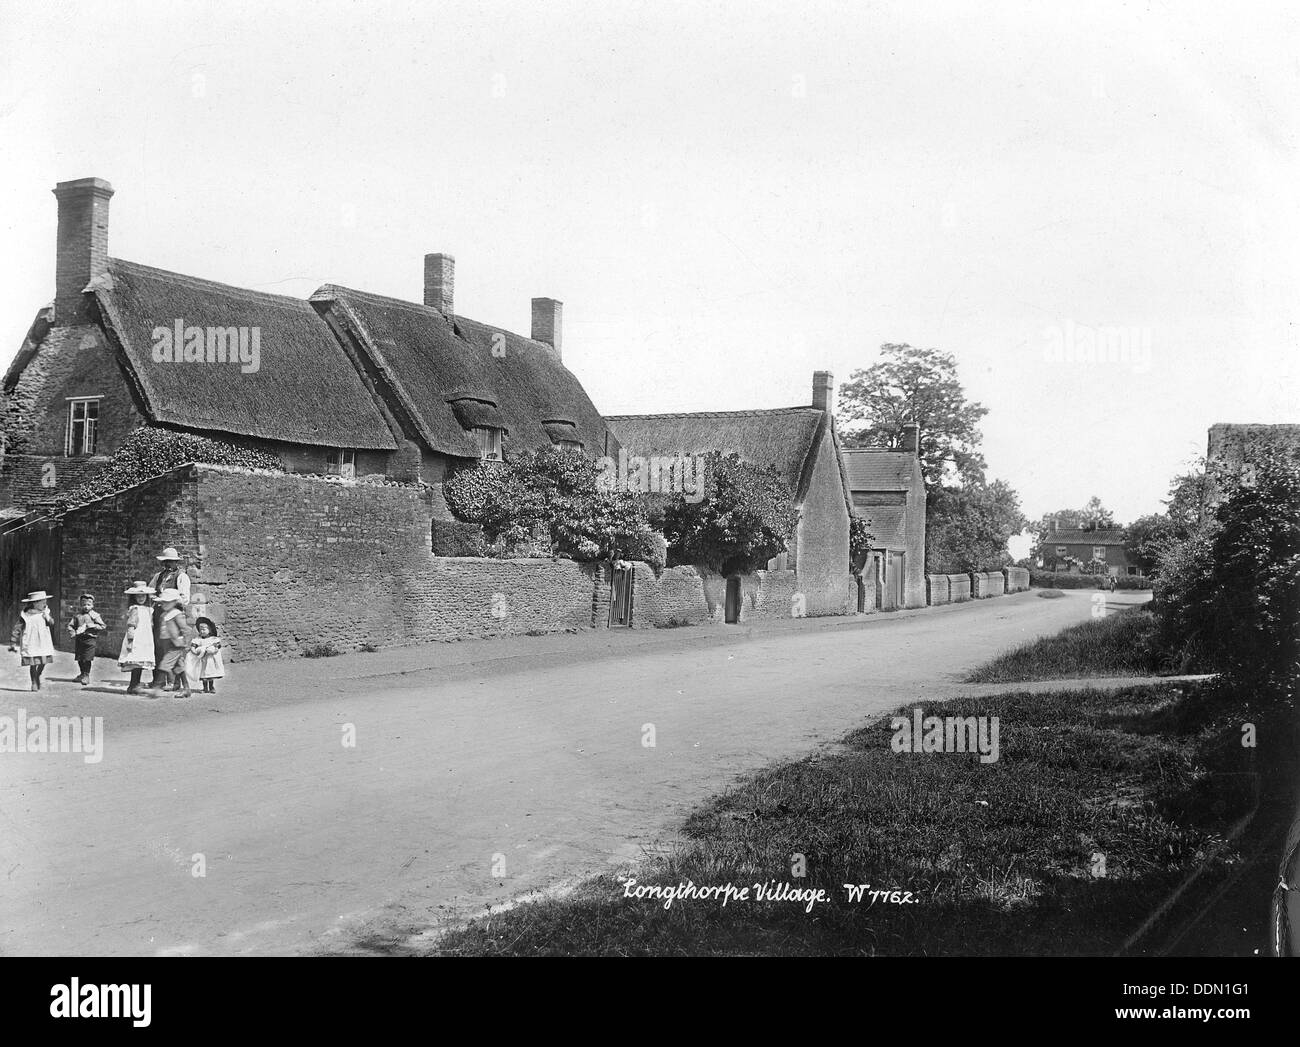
801,445
347,383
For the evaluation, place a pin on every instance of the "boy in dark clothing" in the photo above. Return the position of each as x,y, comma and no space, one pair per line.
85,627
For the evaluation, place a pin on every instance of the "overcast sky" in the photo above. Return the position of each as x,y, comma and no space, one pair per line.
726,197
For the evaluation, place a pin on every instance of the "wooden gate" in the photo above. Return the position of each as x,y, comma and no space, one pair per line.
620,597
31,555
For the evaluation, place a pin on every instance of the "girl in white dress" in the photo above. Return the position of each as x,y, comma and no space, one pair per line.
32,638
137,652
204,661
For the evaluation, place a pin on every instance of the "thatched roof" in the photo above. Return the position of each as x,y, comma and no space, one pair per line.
305,389
881,469
785,439
444,372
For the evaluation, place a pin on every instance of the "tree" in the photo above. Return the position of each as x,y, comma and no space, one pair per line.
916,385
745,519
552,496
1228,596
968,528
1186,496
1094,516
1147,538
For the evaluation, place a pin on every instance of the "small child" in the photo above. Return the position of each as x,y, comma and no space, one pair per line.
85,627
137,652
32,638
204,660
173,643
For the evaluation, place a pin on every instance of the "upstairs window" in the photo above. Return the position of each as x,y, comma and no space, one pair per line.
83,425
342,462
489,443
1061,551
573,445
1099,552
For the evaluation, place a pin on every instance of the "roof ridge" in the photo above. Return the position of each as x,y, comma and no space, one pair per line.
206,283
716,414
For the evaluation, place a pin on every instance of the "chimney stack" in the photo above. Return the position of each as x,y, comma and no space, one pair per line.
547,314
439,282
824,391
82,246
911,438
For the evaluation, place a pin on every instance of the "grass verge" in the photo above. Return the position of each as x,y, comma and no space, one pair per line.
1121,644
1098,805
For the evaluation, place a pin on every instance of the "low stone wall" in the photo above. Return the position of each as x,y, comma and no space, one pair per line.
676,597
987,583
959,590
1017,579
937,589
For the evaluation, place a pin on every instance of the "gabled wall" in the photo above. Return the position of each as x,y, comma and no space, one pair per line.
822,538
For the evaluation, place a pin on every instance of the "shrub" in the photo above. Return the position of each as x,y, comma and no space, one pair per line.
549,501
744,520
1229,595
148,452
860,539
455,538
321,650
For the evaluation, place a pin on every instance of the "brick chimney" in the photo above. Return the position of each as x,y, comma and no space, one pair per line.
547,314
82,244
439,282
911,438
824,391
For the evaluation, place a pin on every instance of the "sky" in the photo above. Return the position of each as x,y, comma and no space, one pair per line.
726,197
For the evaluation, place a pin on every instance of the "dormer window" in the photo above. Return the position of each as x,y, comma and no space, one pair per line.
563,433
83,425
489,443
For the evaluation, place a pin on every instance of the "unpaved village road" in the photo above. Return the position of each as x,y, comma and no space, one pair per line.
526,752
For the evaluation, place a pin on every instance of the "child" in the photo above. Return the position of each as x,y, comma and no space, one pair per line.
204,660
85,627
173,642
137,645
32,638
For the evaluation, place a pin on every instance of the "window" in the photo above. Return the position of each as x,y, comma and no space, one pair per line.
342,462
83,425
572,445
1099,553
1061,551
489,443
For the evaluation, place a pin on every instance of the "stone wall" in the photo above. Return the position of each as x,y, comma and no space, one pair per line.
936,589
959,590
987,583
676,597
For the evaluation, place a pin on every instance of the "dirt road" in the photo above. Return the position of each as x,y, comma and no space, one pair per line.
479,772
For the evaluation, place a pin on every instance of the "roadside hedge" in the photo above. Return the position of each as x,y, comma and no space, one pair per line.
1061,580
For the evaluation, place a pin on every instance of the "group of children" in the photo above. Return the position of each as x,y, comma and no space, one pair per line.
189,656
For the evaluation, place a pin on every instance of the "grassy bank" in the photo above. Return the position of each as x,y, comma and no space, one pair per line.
1095,809
1121,644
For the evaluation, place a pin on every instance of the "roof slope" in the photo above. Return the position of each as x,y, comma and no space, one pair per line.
880,469
429,362
785,439
305,389
1074,536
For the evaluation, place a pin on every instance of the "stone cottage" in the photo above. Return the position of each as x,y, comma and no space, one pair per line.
1102,544
888,488
800,443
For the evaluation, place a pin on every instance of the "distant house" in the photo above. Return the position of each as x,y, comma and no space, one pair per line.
1062,545
800,443
347,383
888,488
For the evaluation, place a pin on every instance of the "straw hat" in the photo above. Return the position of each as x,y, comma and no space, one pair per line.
138,588
39,594
169,596
169,553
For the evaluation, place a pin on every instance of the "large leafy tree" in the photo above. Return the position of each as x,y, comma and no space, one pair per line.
968,528
916,385
745,519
